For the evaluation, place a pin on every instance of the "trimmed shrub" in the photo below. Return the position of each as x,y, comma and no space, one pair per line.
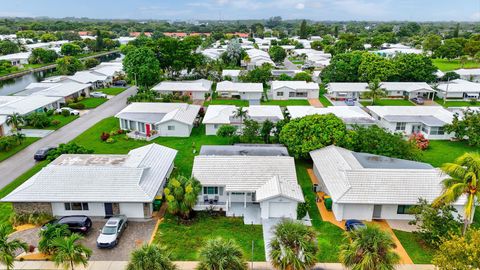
104,136
55,122
77,106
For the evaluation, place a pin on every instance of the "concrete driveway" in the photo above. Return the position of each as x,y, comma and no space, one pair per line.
21,162
37,133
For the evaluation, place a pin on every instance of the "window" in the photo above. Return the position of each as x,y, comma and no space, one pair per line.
215,126
401,126
292,94
132,125
76,206
302,94
141,127
437,131
403,209
425,129
171,127
238,193
279,94
210,190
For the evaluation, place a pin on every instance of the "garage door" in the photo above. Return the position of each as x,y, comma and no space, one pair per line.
279,209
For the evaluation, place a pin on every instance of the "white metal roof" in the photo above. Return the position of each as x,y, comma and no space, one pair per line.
468,72
224,114
15,56
459,86
24,105
228,86
406,86
347,87
54,89
219,114
349,114
231,72
437,112
296,85
192,86
87,77
276,187
271,112
157,112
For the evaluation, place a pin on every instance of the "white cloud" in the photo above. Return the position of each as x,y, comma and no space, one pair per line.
300,6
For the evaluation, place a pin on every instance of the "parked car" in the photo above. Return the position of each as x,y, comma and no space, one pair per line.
350,102
70,110
98,95
418,100
120,83
353,224
42,153
111,232
78,224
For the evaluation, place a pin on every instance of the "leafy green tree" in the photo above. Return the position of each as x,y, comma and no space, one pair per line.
266,130
47,37
37,120
316,45
241,113
233,53
450,76
142,64
68,65
151,257
466,126
69,253
375,92
47,236
343,68
302,76
463,180
459,252
293,246
221,253
284,77
70,49
277,53
42,56
369,249
15,120
250,131
91,62
431,42
450,49
6,67
472,47
8,47
181,194
303,33
8,247
99,44
375,67
413,68
227,131
260,74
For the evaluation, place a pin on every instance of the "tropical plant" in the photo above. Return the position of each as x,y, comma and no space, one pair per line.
49,234
151,257
9,247
15,120
181,194
463,180
37,120
369,248
221,254
459,252
419,140
241,113
69,253
266,130
376,91
293,246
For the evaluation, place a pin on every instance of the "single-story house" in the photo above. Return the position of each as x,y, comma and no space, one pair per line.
365,186
283,90
65,90
213,53
351,115
346,90
408,90
459,89
257,58
231,73
109,69
150,120
98,185
471,74
246,91
219,115
16,59
196,90
428,120
86,77
256,187
289,72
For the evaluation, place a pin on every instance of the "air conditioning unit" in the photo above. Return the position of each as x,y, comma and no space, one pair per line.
316,188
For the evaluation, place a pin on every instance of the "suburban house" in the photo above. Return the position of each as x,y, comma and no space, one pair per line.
219,115
459,89
109,69
408,90
289,72
427,120
66,90
257,58
342,91
98,185
255,186
365,186
213,53
16,59
471,74
150,120
233,74
245,91
351,115
86,77
196,90
283,90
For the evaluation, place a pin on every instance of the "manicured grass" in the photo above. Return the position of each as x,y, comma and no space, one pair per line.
91,103
457,103
18,148
113,91
388,102
325,102
284,103
296,61
184,241
236,102
420,254
440,152
448,65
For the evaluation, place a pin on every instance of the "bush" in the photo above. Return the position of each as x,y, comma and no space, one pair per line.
302,209
68,148
35,218
473,101
37,120
55,122
104,136
120,131
65,113
110,140
77,106
419,140
50,112
7,142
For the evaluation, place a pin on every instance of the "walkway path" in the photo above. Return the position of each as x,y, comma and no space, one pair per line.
289,65
315,102
21,162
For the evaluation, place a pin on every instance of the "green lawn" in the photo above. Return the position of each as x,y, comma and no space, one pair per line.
184,241
296,61
448,65
236,102
457,103
388,102
64,120
91,103
420,254
112,91
18,148
284,103
325,102
440,152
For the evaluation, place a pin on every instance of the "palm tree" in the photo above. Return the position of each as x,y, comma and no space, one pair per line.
293,246
68,253
15,120
369,248
8,248
181,194
19,137
221,254
51,232
241,113
464,179
376,91
151,257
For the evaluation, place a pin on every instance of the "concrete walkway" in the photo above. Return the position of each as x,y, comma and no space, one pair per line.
315,102
21,162
36,133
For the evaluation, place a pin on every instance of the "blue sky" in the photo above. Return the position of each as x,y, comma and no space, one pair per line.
385,10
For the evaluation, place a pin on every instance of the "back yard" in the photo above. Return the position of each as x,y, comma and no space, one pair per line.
440,152
448,65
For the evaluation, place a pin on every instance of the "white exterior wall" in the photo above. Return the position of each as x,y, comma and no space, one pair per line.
94,210
243,95
211,129
358,211
181,129
6,129
337,210
288,208
199,95
453,95
286,93
335,95
395,93
131,210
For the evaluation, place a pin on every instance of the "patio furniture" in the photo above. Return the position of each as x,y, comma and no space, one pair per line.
205,199
215,199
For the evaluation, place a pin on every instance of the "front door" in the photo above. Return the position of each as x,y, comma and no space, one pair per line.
416,128
108,210
377,211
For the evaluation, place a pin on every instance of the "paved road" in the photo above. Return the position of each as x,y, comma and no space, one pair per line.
16,165
289,65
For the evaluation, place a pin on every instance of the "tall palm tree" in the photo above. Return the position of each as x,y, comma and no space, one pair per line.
51,232
15,120
293,246
68,253
8,248
369,248
221,254
241,113
464,179
151,257
376,91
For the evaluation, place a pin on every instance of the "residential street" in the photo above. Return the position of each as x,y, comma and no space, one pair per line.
23,160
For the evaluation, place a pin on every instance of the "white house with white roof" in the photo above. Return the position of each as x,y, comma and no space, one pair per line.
148,120
284,90
219,115
245,91
97,80
408,90
459,89
470,74
350,115
213,53
65,90
16,59
196,90
428,120
98,185
258,58
233,74
346,90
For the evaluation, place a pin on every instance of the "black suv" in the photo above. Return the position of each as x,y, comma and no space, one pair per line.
42,153
78,224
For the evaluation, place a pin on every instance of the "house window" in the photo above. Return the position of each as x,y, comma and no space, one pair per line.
171,127
210,190
238,193
215,126
141,127
403,209
291,94
76,206
400,126
132,125
424,129
437,131
279,94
